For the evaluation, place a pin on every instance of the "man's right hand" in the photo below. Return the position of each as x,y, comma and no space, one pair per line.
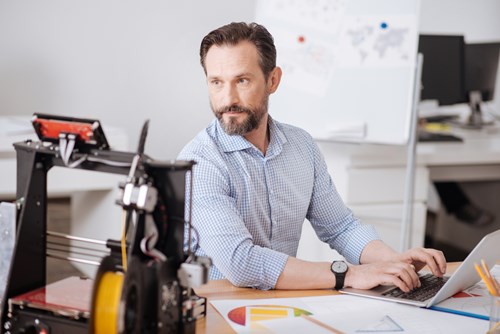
367,276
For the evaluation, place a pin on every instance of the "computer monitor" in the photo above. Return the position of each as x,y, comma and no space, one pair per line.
443,68
481,66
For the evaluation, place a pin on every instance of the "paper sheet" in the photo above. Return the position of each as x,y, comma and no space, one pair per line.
346,314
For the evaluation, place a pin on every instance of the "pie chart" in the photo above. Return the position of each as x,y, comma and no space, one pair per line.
245,315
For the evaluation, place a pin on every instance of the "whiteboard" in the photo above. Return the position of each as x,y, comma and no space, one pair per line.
348,66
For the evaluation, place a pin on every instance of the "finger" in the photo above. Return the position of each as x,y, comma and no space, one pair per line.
427,256
440,259
410,276
397,281
437,262
406,278
405,273
414,276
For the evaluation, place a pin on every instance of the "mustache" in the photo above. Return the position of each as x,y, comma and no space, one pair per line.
233,108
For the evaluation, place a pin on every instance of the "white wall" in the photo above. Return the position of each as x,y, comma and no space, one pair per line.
121,61
126,61
477,20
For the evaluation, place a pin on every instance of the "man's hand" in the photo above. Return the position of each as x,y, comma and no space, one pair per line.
421,257
383,265
367,276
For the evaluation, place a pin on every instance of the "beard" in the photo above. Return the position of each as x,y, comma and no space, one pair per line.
251,122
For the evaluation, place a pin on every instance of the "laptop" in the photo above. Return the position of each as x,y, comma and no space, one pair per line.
463,277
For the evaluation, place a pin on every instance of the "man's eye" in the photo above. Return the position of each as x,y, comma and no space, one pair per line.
243,81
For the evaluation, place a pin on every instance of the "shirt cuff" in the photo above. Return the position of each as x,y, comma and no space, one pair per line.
273,266
358,241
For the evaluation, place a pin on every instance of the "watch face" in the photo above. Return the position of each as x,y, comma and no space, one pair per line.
339,266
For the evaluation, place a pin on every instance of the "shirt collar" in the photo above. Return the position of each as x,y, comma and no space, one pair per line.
232,143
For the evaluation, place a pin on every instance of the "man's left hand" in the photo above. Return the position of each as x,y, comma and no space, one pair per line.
421,257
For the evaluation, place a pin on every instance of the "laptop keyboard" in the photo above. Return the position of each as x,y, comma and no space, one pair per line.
430,285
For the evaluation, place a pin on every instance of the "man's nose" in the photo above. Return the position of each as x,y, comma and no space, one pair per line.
231,96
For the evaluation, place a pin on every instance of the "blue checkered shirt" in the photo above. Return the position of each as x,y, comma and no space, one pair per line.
248,208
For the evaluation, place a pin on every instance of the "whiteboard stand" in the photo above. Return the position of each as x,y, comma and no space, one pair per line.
406,226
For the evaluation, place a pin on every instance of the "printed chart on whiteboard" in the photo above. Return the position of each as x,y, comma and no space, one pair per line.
348,66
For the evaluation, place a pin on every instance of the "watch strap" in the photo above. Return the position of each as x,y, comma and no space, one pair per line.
339,281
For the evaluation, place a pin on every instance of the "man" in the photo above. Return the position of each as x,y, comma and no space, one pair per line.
256,180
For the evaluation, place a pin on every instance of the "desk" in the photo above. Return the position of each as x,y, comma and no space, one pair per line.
222,289
371,180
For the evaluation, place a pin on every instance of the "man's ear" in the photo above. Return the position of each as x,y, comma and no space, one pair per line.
273,81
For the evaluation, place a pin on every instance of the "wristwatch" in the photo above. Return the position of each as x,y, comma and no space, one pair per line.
339,269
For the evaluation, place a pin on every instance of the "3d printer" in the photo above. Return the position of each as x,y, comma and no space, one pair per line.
144,284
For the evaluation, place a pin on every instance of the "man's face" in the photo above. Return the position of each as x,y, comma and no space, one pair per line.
237,87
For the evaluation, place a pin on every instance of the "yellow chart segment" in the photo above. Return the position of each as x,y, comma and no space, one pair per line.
256,314
107,302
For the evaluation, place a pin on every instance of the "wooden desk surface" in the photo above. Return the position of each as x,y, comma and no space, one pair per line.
222,289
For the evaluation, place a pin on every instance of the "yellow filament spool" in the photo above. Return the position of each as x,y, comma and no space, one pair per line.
107,301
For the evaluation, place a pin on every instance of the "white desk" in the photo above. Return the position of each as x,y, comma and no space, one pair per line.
370,179
94,213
